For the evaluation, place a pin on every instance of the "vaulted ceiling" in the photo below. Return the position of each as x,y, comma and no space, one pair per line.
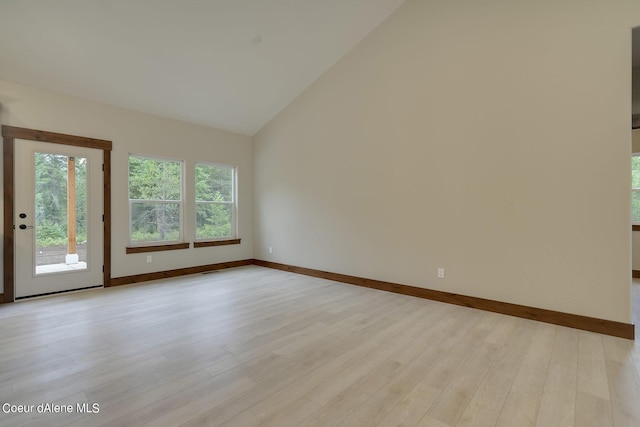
229,64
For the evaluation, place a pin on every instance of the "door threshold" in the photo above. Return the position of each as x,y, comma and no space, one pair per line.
57,292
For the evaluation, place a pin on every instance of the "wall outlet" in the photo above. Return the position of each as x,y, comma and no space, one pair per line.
440,273
149,258
270,249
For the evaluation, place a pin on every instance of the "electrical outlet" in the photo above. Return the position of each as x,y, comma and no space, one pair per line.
149,258
270,249
440,273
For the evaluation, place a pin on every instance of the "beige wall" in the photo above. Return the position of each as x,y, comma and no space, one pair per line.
635,141
138,133
489,138
636,250
636,91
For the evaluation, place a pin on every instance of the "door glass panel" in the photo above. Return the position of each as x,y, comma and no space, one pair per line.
60,213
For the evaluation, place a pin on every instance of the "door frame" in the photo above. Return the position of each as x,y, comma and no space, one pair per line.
9,136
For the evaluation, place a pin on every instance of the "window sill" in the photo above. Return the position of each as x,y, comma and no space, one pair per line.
216,243
635,227
157,248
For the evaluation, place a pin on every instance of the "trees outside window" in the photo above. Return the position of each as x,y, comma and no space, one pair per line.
51,217
215,201
155,200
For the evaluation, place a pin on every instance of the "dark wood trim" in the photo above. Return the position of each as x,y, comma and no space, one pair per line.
8,243
1,298
608,327
10,134
635,228
55,138
216,243
635,121
635,274
157,248
138,278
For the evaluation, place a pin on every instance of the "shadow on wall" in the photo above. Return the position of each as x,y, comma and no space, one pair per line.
635,85
5,103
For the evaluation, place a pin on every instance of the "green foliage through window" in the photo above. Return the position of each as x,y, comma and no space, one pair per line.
215,201
51,199
153,179
155,197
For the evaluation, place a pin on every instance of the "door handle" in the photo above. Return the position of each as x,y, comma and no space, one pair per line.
24,226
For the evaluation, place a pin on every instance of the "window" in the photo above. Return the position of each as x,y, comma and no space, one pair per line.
155,200
215,202
635,188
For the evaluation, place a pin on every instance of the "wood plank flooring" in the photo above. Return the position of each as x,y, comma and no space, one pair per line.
258,347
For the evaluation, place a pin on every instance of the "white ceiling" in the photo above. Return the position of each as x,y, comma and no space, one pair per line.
192,60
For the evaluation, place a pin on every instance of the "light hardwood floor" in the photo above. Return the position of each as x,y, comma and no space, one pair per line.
253,346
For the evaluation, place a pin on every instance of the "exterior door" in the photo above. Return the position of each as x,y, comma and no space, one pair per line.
59,214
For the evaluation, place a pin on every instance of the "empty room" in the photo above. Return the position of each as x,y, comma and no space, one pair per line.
320,213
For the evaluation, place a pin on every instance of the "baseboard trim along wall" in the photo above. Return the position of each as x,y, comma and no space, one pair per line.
602,326
127,280
607,327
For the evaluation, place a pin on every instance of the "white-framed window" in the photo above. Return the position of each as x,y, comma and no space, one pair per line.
635,188
155,200
216,207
